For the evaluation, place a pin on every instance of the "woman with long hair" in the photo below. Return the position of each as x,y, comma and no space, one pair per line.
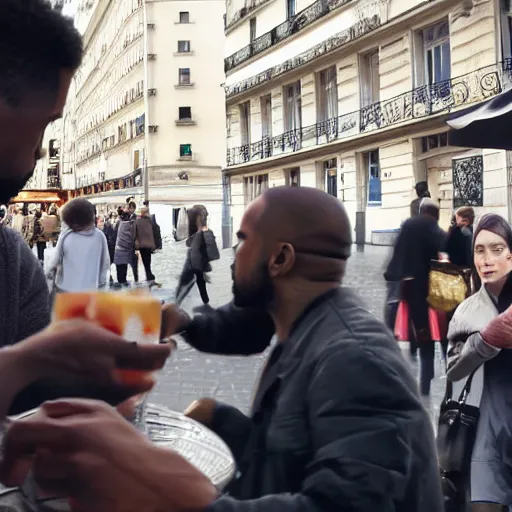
202,250
480,333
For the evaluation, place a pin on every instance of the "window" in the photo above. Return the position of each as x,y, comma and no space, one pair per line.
54,149
185,150
183,46
328,94
372,165
254,186
370,79
331,176
245,123
266,116
431,142
184,17
293,113
136,160
184,76
506,29
139,125
436,53
291,8
252,29
185,113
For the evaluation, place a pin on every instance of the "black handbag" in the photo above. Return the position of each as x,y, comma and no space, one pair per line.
456,434
457,430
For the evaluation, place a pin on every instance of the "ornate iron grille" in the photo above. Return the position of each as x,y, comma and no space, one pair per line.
468,185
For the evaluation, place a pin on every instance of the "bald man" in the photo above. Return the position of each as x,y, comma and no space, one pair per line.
336,423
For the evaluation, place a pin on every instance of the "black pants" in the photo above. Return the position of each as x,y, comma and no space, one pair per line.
186,283
135,267
122,271
415,293
41,247
145,254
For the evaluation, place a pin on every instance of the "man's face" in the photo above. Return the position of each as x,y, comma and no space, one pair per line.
461,221
252,284
22,131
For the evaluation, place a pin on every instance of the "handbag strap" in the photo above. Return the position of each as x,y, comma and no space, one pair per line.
464,392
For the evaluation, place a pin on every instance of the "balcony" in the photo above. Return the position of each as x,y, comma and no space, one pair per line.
420,103
53,182
291,26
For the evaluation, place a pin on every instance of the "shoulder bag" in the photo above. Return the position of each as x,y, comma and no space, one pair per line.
456,435
449,285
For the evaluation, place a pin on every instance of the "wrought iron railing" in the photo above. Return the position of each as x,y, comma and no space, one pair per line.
291,26
419,103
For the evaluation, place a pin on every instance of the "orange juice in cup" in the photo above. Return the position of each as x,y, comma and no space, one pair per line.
135,315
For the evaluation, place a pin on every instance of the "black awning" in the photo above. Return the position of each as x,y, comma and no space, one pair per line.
486,125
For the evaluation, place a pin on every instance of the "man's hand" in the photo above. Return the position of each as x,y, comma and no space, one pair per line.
498,332
81,349
202,411
86,451
174,320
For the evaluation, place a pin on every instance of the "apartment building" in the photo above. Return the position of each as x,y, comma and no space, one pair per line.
145,116
352,96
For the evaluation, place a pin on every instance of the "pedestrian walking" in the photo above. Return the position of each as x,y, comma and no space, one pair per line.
39,237
145,242
459,243
480,337
124,253
27,229
81,260
419,242
109,230
202,250
422,192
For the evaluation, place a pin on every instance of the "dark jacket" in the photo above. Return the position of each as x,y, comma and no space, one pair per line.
459,246
337,423
125,242
419,242
203,250
144,237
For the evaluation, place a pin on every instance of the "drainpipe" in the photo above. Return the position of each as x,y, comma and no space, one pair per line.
145,170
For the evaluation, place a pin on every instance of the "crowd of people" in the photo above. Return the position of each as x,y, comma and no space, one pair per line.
337,421
87,244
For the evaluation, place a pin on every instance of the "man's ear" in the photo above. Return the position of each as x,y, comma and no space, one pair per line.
282,261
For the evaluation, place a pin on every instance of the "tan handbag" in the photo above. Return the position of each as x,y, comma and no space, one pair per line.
449,285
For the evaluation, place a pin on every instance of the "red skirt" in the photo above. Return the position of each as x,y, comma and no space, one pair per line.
437,322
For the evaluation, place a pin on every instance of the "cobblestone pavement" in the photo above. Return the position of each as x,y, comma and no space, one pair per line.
190,374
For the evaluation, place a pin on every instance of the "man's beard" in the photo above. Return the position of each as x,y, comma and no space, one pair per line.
10,187
257,295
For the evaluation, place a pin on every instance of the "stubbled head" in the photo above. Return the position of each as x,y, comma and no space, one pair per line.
429,208
79,214
40,50
492,249
289,234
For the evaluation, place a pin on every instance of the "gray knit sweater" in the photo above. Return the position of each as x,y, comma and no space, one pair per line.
24,298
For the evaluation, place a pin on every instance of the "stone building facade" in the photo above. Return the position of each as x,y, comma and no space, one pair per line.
145,116
352,96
